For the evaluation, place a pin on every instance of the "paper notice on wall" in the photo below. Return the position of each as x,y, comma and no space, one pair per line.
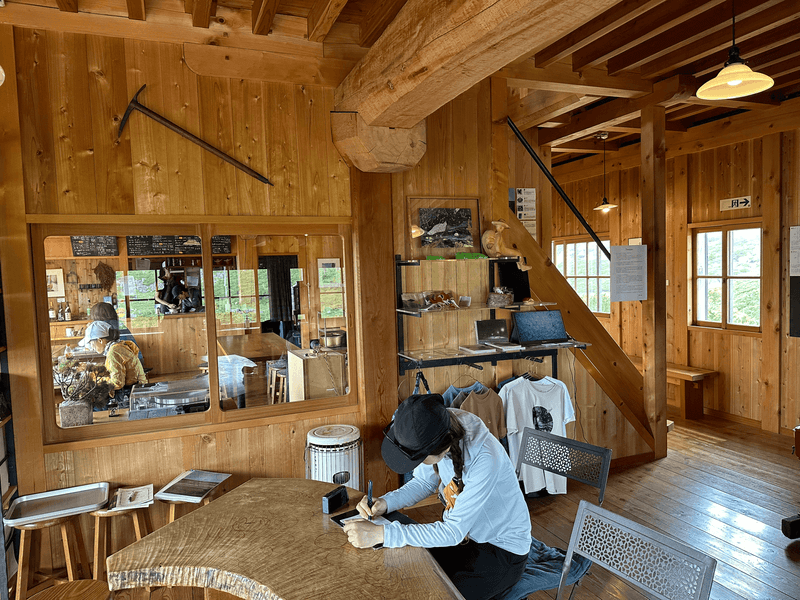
628,273
794,251
531,227
526,204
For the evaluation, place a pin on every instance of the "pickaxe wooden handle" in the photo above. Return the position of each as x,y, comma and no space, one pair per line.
135,105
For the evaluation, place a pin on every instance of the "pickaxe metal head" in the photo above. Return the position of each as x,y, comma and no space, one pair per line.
134,103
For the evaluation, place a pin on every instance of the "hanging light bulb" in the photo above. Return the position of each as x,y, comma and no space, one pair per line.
735,79
605,205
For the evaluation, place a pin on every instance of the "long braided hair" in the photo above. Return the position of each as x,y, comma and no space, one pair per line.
452,443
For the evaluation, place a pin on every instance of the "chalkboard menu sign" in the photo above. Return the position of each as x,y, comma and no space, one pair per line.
221,244
94,245
159,245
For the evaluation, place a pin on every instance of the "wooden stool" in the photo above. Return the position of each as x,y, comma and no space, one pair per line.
26,570
173,506
101,533
277,386
83,589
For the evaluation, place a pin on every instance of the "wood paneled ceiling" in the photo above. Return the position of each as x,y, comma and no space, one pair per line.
595,78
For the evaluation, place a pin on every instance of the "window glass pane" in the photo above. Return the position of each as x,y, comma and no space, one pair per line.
570,259
136,307
571,281
591,258
593,300
268,315
580,287
709,253
744,252
605,264
559,254
709,300
605,295
580,258
744,299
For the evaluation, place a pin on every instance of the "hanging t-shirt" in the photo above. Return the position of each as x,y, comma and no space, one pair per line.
451,393
543,405
489,407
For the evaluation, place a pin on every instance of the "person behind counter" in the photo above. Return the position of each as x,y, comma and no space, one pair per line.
122,359
190,300
168,298
482,543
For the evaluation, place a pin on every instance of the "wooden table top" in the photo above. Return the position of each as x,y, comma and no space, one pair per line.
268,539
255,346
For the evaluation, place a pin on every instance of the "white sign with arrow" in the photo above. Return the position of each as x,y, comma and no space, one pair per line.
735,203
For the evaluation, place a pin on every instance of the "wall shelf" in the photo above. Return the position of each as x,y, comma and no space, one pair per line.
444,357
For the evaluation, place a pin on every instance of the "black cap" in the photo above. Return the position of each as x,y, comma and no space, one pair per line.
420,425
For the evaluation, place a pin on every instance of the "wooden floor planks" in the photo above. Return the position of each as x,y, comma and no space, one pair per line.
723,488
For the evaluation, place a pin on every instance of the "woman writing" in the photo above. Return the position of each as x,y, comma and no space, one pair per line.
483,540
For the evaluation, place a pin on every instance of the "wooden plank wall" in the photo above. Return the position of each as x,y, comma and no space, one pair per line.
73,91
457,164
758,375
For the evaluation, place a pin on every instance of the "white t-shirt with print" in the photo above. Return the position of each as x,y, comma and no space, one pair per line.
543,405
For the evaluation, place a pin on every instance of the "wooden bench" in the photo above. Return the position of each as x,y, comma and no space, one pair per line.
689,382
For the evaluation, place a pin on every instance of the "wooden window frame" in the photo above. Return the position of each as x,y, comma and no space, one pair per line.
579,240
724,228
215,419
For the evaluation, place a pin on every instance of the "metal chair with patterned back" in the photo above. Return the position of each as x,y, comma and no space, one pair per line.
656,564
562,456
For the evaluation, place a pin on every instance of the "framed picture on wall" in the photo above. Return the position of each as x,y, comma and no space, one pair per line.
443,226
55,283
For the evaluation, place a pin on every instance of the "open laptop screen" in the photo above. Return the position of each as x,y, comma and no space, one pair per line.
540,326
491,330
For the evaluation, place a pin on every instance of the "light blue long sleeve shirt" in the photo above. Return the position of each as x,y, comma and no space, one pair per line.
491,509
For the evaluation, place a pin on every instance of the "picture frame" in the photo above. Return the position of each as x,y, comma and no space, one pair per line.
55,283
332,280
442,226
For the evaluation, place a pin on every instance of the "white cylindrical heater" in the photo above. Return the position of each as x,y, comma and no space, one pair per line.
334,454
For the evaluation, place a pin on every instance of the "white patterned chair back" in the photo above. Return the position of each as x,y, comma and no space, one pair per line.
573,459
660,566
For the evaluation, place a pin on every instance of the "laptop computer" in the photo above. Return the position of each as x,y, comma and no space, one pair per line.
539,327
494,333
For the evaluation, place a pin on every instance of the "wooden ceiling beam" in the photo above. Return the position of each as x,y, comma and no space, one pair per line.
377,19
720,41
541,107
714,19
67,5
670,91
434,50
201,13
746,103
586,147
263,13
641,29
561,78
322,16
635,126
773,39
136,10
616,16
775,55
782,68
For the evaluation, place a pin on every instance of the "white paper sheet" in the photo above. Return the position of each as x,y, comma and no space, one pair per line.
628,273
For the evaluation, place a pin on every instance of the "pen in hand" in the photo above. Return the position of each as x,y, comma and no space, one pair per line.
369,497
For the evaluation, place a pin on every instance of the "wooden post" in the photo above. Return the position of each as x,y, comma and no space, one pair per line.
654,309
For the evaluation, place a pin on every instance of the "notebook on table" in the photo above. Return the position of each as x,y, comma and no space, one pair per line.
540,327
494,334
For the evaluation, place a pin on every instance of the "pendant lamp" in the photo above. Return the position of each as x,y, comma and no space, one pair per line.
605,205
736,79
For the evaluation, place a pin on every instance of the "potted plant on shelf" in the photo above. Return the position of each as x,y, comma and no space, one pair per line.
83,385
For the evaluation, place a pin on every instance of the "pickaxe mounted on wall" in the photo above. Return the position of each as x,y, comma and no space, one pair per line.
135,105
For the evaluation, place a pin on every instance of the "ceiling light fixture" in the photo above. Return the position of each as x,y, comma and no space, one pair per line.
605,205
735,79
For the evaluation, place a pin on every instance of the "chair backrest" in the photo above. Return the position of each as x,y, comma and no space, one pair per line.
660,566
573,459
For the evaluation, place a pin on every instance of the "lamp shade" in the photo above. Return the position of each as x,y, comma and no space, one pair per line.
734,81
605,206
